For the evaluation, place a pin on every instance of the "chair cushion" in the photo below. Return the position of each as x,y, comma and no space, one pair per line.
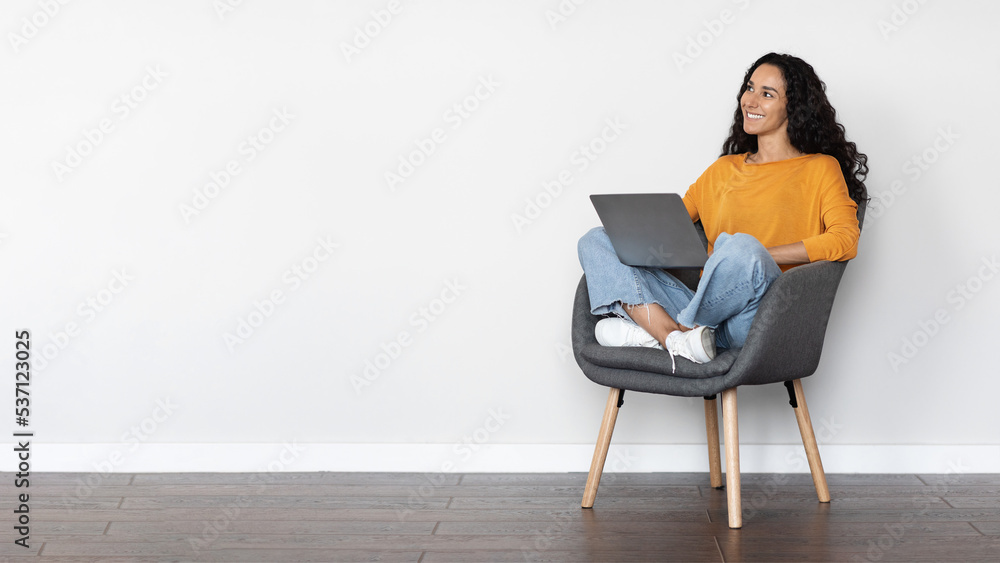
655,361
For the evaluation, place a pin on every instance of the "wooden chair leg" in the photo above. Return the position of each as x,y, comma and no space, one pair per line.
809,441
712,428
730,426
601,449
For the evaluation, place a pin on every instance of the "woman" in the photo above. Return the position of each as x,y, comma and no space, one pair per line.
784,192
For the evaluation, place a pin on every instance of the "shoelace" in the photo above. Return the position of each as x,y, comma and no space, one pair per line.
670,349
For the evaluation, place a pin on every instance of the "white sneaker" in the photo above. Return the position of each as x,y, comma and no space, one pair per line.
616,331
697,345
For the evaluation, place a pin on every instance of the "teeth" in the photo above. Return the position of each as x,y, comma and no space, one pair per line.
754,116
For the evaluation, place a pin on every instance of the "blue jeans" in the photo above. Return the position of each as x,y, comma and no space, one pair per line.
734,280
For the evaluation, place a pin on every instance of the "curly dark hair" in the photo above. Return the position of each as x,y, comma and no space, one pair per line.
812,122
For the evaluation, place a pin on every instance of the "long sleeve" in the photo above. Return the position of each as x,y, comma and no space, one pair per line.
839,216
692,198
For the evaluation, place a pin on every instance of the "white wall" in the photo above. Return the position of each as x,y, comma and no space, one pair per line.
899,73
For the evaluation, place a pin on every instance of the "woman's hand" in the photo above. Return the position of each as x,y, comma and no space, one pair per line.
794,253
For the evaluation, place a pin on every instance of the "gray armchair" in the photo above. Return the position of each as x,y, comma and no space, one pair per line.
784,345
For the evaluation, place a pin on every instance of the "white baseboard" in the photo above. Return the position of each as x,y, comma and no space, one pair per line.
514,458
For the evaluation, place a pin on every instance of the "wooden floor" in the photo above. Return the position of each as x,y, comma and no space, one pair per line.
499,517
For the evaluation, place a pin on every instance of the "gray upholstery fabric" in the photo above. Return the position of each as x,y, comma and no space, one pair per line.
785,341
650,360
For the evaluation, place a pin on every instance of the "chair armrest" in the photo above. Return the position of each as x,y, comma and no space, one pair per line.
582,330
786,337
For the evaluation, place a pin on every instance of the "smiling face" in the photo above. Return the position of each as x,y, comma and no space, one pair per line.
764,103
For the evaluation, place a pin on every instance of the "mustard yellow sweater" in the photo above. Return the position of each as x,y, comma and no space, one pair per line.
799,199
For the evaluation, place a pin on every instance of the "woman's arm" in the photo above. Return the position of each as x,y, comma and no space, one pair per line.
838,214
794,253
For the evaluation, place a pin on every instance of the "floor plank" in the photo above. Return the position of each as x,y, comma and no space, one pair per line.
422,515
876,516
880,548
78,479
962,479
404,491
43,502
247,501
837,491
285,527
314,478
988,528
181,544
697,479
596,554
973,501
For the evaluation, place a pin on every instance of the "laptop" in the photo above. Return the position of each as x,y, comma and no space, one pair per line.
651,230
